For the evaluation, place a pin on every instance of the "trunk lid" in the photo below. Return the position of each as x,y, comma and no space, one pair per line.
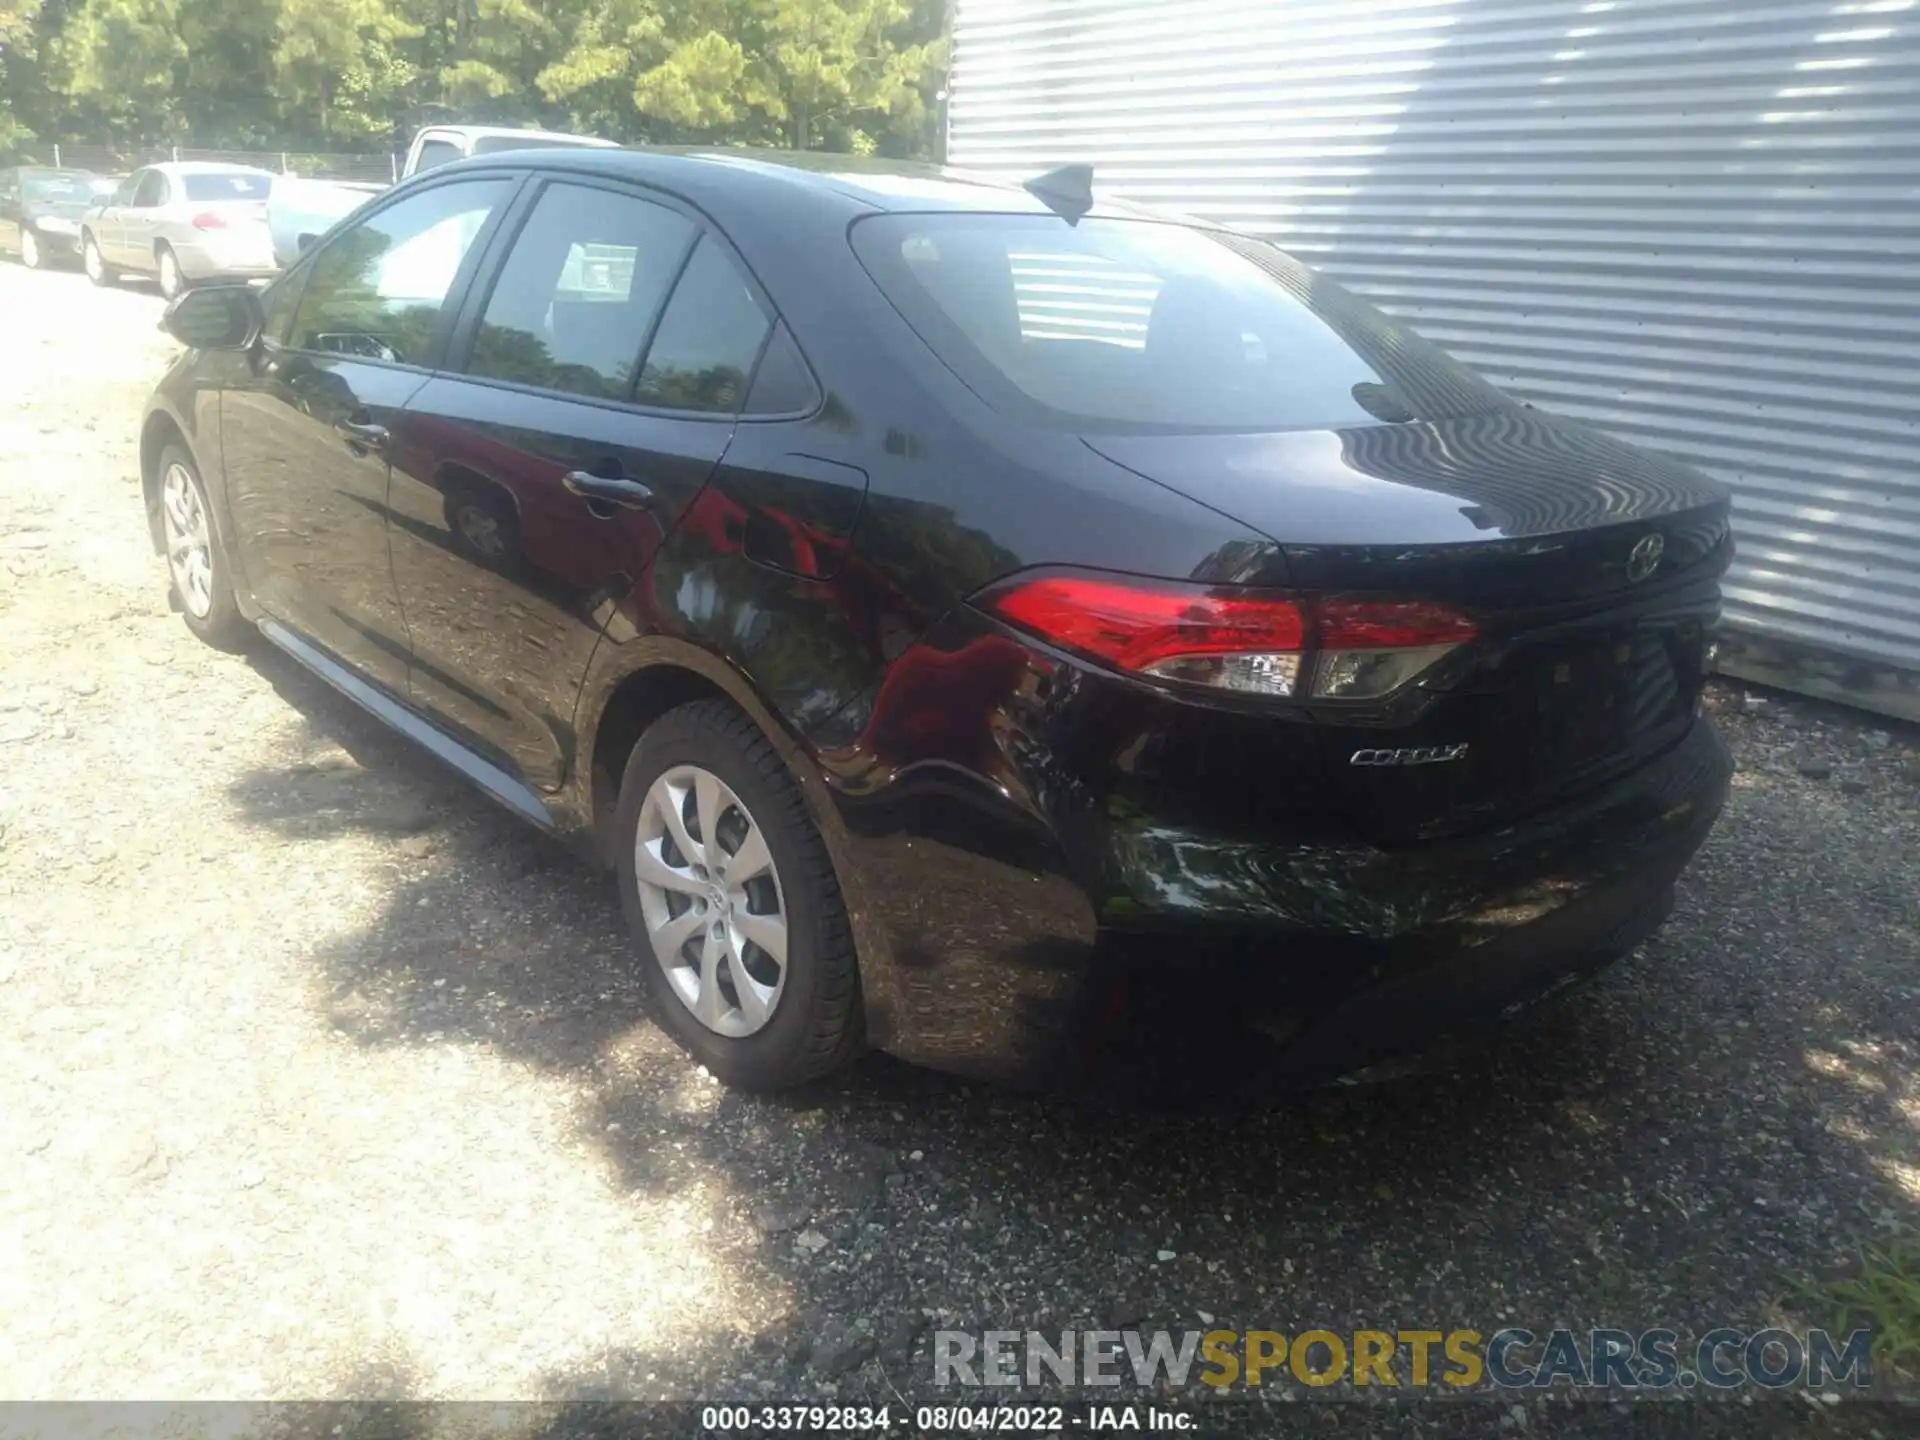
1591,569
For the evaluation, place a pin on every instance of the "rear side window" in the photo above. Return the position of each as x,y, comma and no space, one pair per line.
1142,325
708,339
579,291
782,385
205,189
377,289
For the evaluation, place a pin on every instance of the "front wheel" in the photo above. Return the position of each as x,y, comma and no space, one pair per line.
196,565
733,903
98,271
172,282
31,255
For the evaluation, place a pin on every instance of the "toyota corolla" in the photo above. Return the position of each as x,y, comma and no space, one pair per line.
957,610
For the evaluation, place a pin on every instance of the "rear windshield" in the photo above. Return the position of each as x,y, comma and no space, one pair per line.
494,144
50,189
1142,325
205,188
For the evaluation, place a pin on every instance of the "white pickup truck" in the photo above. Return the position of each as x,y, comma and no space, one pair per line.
300,211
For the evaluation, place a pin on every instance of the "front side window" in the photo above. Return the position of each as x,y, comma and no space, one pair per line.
1144,325
152,191
708,339
579,291
377,290
123,193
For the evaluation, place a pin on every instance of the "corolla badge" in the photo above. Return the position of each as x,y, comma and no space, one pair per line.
1418,755
1644,558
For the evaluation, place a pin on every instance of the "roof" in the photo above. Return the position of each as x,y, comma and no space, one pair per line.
859,182
497,132
205,167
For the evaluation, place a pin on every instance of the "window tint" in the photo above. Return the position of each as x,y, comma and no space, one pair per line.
436,152
579,291
377,289
1137,324
708,339
152,191
782,385
203,189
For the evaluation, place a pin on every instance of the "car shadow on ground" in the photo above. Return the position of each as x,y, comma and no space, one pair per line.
1731,1110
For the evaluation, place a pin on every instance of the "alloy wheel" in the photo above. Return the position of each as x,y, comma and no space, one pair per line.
189,540
711,899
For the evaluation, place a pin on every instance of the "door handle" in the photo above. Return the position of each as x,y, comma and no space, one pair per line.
362,436
608,490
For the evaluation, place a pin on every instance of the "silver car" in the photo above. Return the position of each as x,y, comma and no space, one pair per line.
181,223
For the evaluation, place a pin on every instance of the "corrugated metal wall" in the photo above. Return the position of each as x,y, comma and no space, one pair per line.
1693,222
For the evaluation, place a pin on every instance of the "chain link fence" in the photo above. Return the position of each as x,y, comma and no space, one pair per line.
379,168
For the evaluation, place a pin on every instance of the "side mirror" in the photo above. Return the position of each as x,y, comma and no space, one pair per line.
215,317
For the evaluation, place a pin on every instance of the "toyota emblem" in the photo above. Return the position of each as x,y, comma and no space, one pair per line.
1644,558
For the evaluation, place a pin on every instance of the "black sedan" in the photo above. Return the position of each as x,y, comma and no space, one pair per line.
972,621
41,209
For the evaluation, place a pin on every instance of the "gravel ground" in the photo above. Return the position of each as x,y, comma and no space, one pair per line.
323,1078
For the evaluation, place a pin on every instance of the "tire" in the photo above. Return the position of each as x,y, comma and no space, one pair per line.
172,282
814,1027
204,596
31,255
95,264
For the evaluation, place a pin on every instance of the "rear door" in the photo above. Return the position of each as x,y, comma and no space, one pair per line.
307,433
601,372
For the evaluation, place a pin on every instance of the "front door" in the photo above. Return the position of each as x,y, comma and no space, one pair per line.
137,230
307,435
11,199
108,223
531,490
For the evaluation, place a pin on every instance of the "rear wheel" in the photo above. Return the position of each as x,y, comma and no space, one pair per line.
172,282
196,565
98,271
733,903
31,255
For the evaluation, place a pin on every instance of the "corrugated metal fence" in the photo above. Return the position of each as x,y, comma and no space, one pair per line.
1693,222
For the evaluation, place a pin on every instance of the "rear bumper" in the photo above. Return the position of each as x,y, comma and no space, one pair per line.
1293,961
207,262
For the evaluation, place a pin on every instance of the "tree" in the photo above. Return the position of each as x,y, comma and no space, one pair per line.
795,72
338,59
18,67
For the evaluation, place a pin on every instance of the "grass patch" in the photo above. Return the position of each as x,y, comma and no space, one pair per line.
1882,1294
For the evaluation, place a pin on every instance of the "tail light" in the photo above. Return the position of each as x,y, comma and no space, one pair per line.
210,220
1252,642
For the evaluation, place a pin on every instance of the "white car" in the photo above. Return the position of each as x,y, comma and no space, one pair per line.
181,223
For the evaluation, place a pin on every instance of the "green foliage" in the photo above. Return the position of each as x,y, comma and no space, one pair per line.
857,75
